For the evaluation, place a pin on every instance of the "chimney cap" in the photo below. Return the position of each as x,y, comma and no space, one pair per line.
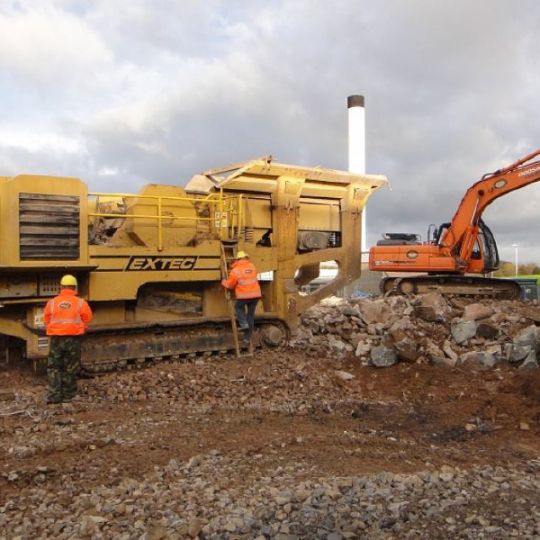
355,101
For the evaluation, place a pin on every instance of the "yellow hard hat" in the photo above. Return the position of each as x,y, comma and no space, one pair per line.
241,255
68,281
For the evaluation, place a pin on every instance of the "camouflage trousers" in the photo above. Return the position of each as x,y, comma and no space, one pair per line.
63,367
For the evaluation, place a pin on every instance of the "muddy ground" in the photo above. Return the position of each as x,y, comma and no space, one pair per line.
275,413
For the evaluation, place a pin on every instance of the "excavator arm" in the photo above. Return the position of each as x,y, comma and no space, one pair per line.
460,236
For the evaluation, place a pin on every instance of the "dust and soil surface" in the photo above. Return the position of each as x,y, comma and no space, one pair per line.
280,445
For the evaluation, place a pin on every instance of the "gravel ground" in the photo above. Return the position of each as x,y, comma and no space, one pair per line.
200,498
287,444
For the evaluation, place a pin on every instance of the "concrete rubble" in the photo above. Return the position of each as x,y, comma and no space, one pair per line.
426,328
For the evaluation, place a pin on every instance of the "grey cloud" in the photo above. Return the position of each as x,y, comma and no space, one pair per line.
451,93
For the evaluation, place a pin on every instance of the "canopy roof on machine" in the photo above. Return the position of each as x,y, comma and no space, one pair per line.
259,175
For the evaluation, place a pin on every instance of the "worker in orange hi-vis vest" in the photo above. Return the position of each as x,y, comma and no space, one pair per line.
66,318
243,279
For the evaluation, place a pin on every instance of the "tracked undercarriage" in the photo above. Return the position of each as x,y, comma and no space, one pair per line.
138,345
452,285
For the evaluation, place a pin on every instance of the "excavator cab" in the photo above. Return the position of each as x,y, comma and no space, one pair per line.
487,248
437,232
484,248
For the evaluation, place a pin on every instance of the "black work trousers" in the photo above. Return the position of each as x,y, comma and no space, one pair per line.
245,313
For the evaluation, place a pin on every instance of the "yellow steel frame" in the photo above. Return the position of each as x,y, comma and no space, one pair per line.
230,206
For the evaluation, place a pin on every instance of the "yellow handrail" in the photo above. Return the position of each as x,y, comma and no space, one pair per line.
220,230
168,197
146,216
229,209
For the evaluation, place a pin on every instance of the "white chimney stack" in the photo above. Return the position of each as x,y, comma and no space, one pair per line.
357,146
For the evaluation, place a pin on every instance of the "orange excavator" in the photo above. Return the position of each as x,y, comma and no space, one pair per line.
455,252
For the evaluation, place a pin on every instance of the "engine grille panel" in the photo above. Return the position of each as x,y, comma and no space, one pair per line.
49,227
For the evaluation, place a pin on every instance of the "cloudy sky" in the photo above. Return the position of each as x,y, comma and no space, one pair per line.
122,93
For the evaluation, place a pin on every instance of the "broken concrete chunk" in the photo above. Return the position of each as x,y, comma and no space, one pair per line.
313,325
468,357
481,358
475,312
397,303
347,310
526,336
443,361
463,330
495,350
447,349
434,299
338,345
400,329
397,334
362,348
437,356
346,330
375,311
427,313
383,356
433,307
371,329
530,362
343,375
515,353
406,349
487,330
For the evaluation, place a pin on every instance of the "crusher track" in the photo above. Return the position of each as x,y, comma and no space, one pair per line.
142,344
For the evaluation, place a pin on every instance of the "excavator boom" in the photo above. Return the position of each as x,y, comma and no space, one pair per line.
463,228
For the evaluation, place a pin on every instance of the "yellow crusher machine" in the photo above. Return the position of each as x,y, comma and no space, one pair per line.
150,264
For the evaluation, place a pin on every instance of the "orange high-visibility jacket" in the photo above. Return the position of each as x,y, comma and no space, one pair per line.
67,314
243,279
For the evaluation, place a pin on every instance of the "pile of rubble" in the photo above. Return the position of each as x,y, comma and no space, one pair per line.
426,328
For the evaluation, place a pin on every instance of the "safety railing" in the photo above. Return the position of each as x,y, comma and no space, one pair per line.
226,216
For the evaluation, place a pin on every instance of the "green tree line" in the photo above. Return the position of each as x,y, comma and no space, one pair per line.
508,269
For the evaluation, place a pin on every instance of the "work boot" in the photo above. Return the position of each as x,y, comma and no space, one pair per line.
53,398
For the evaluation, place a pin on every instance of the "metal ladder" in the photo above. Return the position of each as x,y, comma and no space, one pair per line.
228,253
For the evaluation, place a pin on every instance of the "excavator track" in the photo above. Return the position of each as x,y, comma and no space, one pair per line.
504,289
131,347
